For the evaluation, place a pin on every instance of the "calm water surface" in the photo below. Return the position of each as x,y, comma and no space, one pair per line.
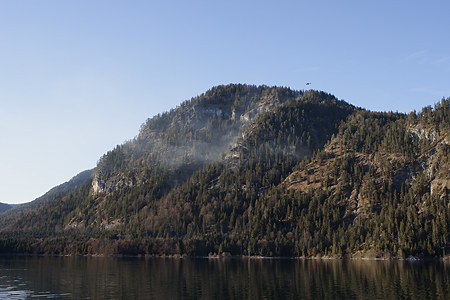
171,278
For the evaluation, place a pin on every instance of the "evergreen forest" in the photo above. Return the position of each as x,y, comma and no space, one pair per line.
245,170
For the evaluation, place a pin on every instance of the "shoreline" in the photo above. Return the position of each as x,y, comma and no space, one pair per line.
225,257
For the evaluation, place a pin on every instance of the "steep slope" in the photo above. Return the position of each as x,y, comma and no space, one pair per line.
13,213
214,204
4,207
171,146
281,173
266,147
378,189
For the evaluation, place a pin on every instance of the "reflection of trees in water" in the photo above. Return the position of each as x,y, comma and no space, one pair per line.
171,278
305,279
284,279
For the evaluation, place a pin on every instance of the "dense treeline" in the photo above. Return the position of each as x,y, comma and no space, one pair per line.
310,176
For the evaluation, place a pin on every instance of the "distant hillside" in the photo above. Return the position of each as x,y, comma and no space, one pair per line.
4,206
18,210
258,170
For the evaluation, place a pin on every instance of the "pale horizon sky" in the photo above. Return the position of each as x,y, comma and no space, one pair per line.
79,77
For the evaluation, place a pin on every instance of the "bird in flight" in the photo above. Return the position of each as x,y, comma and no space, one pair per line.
308,83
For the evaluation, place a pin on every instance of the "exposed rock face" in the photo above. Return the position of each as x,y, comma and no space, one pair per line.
110,225
75,225
108,185
266,104
430,163
210,110
419,132
440,186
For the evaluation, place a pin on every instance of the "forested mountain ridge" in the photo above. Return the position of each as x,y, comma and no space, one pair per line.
257,170
12,213
4,207
384,180
178,142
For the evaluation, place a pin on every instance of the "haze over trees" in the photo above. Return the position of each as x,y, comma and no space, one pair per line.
257,170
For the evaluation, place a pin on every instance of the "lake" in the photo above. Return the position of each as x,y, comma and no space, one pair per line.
27,277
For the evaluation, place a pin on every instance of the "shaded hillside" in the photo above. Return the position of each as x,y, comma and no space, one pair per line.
280,173
4,207
379,188
54,194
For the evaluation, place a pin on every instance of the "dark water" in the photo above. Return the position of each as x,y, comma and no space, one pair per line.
159,278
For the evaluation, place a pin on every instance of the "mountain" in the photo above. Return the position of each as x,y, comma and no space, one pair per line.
257,170
14,211
4,207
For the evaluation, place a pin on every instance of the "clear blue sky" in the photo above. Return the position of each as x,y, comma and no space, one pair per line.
79,77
